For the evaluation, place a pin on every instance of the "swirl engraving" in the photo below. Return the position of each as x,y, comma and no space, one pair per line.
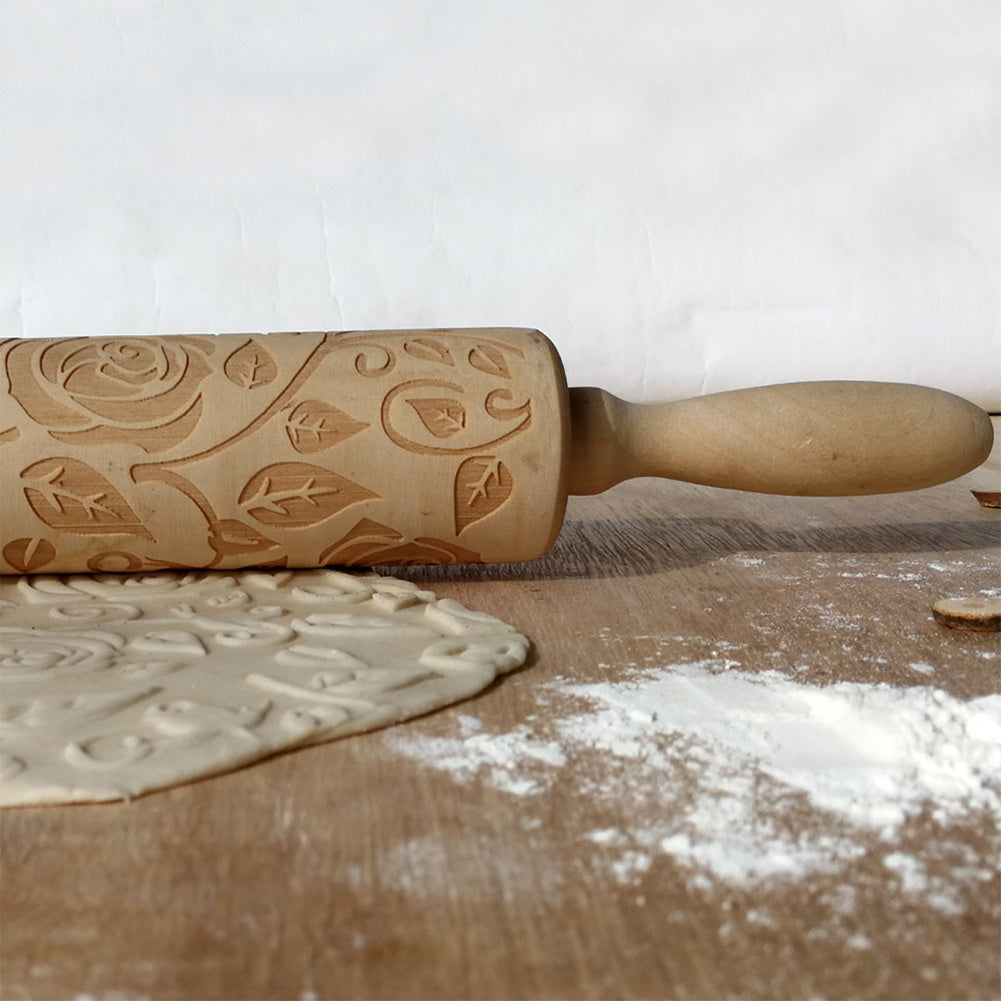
432,418
383,363
229,451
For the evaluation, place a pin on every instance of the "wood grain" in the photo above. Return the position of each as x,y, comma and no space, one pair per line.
353,871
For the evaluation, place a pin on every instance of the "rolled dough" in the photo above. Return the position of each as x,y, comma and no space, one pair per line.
114,686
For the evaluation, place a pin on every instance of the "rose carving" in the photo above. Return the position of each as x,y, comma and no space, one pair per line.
138,390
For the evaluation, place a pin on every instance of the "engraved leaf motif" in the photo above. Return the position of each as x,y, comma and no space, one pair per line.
429,349
482,484
297,494
366,537
442,417
489,359
29,555
250,366
67,494
230,537
314,426
370,544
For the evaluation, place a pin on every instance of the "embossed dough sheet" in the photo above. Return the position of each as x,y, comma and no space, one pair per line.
116,685
686,197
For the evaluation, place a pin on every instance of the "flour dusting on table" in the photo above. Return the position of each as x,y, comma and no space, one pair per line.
717,766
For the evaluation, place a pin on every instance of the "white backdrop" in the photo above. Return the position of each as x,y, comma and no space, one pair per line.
686,196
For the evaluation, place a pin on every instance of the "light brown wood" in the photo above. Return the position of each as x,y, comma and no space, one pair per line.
826,439
397,447
352,870
295,449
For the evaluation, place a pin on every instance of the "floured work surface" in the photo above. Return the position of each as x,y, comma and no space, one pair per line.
742,760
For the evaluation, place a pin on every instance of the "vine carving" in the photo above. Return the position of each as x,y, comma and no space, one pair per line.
234,450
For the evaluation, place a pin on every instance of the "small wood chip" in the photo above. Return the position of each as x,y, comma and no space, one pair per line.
987,498
980,614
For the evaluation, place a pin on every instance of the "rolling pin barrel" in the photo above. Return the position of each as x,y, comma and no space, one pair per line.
298,450
397,447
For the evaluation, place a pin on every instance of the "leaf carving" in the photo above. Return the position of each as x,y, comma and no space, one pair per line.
443,418
67,494
482,484
297,494
429,349
231,537
250,366
491,360
29,555
314,426
9,435
370,544
366,537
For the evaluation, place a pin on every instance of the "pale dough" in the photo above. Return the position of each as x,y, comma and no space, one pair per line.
113,686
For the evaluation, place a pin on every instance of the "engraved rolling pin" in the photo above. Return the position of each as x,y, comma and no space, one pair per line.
396,447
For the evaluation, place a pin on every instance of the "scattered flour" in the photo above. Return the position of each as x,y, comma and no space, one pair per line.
872,754
715,768
507,758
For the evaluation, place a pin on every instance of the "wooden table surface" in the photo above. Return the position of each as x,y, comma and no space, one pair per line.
367,868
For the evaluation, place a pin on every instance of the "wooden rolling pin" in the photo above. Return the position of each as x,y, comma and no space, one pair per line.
396,447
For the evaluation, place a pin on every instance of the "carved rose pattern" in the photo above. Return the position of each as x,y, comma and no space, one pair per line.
140,420
140,391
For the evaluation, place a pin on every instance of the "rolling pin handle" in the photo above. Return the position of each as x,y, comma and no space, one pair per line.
808,439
